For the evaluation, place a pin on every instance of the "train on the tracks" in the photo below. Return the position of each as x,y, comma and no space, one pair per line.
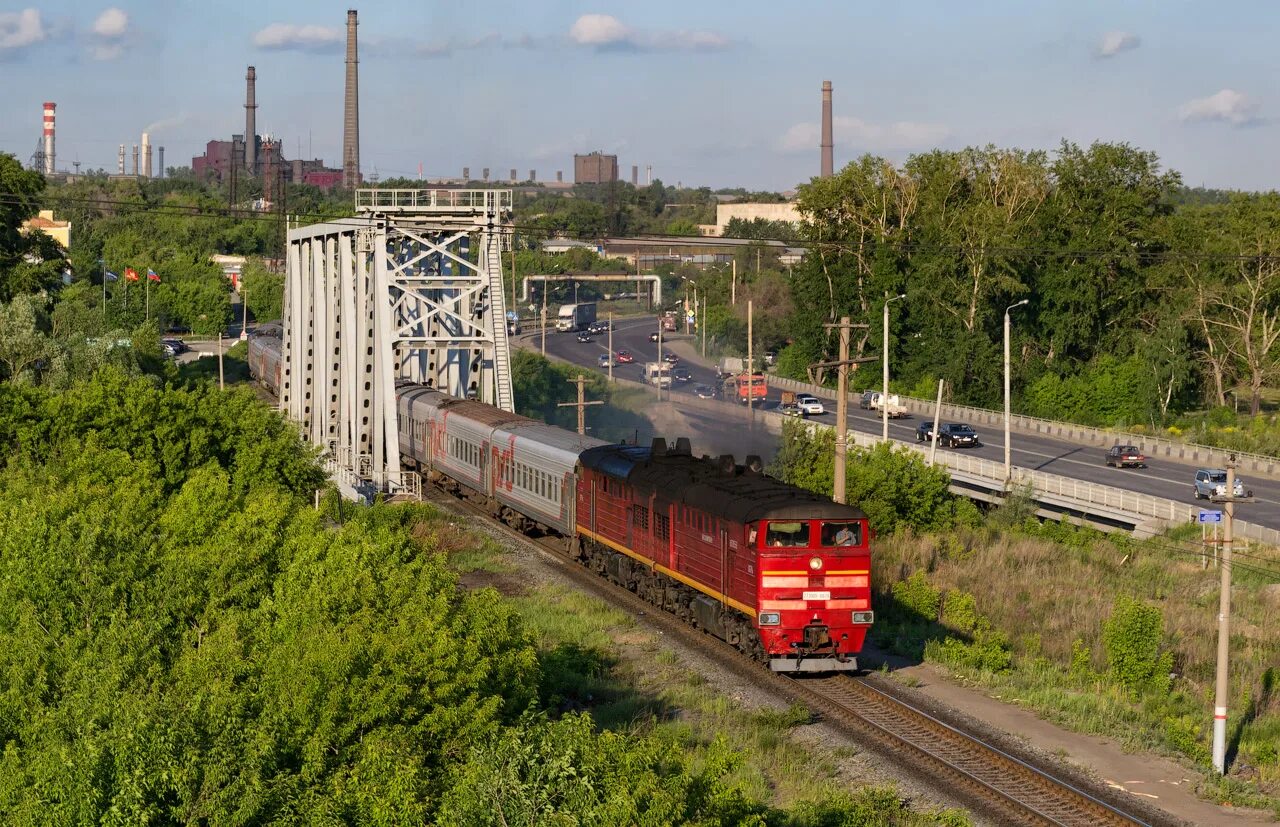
782,574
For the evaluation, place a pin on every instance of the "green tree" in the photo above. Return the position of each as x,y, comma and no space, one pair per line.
25,346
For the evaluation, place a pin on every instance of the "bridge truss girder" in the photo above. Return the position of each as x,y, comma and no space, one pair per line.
393,296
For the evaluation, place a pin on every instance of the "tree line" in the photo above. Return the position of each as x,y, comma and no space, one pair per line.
1142,301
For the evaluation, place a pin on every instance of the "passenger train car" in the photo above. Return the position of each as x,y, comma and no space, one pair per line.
780,573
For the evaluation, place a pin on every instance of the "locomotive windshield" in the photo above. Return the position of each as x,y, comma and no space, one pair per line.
842,533
787,535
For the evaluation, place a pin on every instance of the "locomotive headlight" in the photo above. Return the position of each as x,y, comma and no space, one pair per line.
770,618
815,563
864,617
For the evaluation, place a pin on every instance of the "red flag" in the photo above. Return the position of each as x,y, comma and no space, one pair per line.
130,274
151,274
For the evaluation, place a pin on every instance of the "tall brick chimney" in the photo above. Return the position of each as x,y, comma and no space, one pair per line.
351,117
250,122
828,145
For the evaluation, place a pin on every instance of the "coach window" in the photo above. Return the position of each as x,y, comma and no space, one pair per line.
787,535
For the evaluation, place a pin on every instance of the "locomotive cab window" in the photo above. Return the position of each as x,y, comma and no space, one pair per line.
842,533
787,535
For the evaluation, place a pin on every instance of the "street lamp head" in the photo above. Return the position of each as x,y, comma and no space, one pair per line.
1024,301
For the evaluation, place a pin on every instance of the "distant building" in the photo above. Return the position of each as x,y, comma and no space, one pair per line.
564,245
749,212
59,231
219,157
595,168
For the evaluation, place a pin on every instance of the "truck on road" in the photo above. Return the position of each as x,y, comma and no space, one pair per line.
576,316
871,400
751,386
731,366
658,374
669,321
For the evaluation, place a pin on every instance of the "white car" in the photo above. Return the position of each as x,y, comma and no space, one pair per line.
811,405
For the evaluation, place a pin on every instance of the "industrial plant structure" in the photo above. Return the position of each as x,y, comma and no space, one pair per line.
595,168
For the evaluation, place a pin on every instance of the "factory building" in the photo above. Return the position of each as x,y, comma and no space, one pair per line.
595,168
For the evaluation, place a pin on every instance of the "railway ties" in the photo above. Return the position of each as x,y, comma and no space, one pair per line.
1021,792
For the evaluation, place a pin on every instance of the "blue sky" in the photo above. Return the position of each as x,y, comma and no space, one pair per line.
710,92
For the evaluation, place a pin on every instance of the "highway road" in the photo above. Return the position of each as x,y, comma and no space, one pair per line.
1164,478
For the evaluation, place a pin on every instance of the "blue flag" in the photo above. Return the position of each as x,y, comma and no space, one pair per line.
112,276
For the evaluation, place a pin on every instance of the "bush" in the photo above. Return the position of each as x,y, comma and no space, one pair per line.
917,599
1132,638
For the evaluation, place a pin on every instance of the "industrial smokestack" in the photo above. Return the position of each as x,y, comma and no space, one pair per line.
648,174
533,176
466,173
146,155
160,172
559,176
49,107
250,121
635,175
121,166
135,160
485,173
351,118
514,177
828,145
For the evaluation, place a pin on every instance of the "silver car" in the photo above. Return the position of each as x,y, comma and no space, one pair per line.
1212,482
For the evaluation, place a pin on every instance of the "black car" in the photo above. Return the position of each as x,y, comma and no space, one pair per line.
681,374
653,337
174,347
956,435
670,358
585,337
705,392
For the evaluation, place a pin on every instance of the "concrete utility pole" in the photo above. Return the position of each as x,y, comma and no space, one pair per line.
733,285
937,415
610,347
1224,622
884,399
544,317
658,378
221,384
581,404
751,369
1008,464
842,401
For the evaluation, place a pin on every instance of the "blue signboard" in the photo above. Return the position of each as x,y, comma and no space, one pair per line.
1209,517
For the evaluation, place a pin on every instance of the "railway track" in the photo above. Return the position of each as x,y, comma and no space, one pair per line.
1007,789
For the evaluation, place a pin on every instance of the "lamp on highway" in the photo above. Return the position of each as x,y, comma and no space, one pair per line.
1008,466
884,397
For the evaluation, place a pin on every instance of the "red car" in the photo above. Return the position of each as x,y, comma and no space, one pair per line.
1125,456
625,357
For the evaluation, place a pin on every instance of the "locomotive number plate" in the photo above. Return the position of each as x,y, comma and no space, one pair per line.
817,595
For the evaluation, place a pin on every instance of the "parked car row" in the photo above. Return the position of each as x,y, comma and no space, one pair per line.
174,347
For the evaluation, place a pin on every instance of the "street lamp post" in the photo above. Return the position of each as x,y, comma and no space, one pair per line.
1008,464
244,319
884,397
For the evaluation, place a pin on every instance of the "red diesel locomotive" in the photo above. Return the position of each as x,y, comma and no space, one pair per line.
781,573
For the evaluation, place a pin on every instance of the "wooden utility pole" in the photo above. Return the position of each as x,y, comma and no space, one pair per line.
842,400
581,404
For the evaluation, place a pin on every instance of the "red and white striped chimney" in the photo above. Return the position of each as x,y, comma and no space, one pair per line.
49,107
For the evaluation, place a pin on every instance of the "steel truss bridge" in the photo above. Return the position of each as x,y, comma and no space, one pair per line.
408,290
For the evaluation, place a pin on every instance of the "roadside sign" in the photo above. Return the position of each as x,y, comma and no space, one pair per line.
1209,516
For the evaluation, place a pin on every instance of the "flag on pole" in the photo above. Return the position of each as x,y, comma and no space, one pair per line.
130,274
111,276
151,274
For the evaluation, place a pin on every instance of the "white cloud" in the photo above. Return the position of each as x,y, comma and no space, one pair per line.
112,24
1226,105
605,32
1113,43
304,37
19,29
858,134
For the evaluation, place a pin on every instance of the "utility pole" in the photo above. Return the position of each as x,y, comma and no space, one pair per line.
221,384
884,397
581,404
103,262
733,286
658,378
704,327
244,305
751,370
1008,461
842,365
1224,621
937,415
513,270
610,347
544,316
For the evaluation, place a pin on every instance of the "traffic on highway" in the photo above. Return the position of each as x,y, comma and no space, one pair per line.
698,377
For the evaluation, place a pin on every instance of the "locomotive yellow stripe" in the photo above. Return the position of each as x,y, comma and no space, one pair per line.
782,571
674,575
849,571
